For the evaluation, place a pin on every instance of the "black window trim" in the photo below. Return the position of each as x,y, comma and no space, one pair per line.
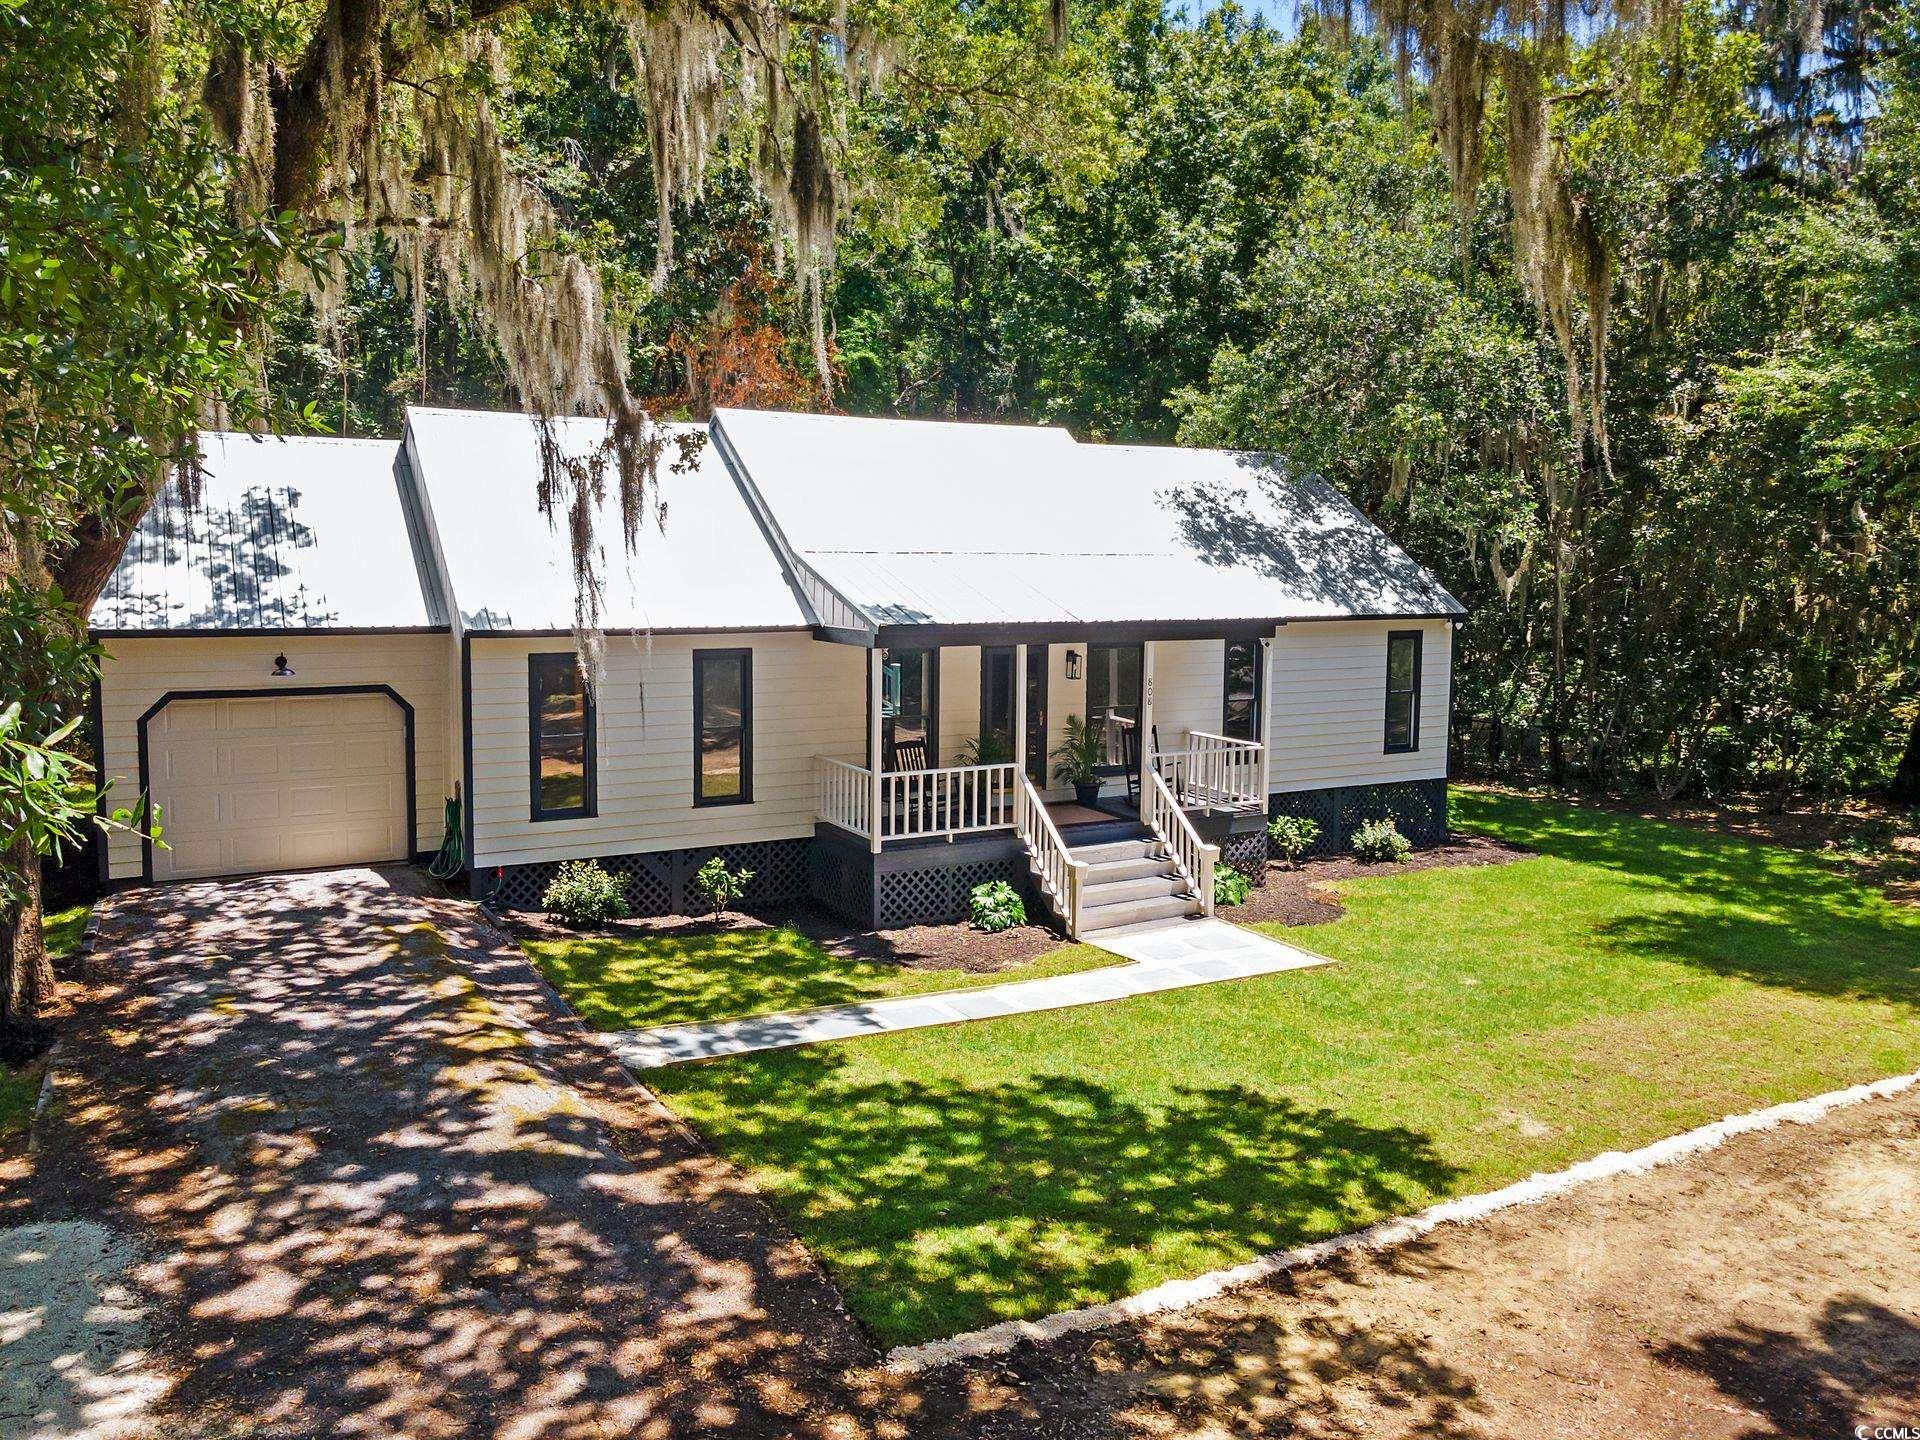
590,720
1413,717
701,658
1259,735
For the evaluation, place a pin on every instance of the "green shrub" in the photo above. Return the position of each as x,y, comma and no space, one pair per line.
584,894
1230,887
718,886
1380,842
1291,836
996,905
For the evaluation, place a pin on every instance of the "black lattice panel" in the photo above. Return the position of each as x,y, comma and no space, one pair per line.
779,870
517,887
840,883
1417,808
1323,808
649,880
939,896
1247,854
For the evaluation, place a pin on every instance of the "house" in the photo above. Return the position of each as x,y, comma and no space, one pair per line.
302,668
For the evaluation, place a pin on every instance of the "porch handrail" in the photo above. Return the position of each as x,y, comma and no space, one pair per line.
845,794
953,800
1213,770
1062,876
1162,814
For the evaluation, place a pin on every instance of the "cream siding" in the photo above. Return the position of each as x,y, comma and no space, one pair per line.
1187,676
137,671
1327,713
808,700
959,701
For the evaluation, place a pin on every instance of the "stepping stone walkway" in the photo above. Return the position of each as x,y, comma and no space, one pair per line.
1168,956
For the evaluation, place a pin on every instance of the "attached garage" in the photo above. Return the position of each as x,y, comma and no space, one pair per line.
252,782
277,667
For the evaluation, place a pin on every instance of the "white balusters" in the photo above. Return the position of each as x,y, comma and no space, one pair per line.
1162,814
1062,876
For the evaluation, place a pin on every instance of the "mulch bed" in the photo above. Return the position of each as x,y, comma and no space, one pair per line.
1298,896
921,947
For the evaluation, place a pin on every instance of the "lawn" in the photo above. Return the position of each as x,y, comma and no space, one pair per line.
20,1088
1632,980
627,982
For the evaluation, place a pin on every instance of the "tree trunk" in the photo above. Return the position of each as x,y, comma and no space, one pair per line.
1906,779
26,974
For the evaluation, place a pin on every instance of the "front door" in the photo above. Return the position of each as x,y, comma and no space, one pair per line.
1037,715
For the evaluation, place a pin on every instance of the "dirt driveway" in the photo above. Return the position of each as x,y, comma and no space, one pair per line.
1770,1288
385,1186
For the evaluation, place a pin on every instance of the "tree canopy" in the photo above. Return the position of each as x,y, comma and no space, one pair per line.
1609,315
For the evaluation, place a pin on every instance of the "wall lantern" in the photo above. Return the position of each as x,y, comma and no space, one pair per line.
281,670
1073,664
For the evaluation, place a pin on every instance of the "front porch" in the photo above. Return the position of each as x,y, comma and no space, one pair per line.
1141,848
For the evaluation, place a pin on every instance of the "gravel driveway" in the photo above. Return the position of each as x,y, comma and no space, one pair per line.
384,1185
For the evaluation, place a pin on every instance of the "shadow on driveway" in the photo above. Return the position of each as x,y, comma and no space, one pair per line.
388,1185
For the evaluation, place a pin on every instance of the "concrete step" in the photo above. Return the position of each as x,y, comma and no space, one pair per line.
1145,888
1108,870
1096,918
1116,850
1114,932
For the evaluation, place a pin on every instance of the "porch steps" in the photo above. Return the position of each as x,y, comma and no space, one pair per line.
1131,881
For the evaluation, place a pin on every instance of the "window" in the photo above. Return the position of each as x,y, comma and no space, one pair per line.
560,722
1113,693
1240,714
909,706
1403,691
723,727
995,746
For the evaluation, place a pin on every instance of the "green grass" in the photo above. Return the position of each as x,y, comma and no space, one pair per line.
630,982
20,1088
62,929
1633,980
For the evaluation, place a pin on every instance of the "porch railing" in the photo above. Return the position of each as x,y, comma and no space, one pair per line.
917,804
1162,814
1061,876
1213,770
845,795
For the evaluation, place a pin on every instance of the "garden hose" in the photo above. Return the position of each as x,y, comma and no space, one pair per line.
452,858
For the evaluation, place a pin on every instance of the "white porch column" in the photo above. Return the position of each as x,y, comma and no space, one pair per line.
1019,731
875,666
1146,718
1266,723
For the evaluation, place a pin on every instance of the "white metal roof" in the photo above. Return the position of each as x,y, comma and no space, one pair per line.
932,523
295,534
710,568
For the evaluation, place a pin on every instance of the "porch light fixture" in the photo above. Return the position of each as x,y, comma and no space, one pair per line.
281,670
1073,664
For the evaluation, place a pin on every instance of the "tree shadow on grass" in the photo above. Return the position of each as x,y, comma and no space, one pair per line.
1861,1366
944,1205
633,981
1738,907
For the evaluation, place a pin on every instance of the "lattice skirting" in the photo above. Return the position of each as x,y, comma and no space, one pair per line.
938,895
1417,807
661,881
1247,854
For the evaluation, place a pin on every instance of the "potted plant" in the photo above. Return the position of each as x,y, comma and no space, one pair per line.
1078,760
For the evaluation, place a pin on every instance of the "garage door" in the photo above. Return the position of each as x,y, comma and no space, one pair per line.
278,782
